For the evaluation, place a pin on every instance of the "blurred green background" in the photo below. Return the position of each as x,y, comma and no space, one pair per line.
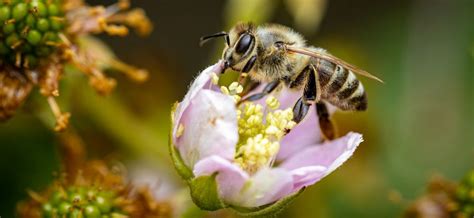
419,123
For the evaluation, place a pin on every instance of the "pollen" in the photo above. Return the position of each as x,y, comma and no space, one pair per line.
236,88
272,102
260,127
259,138
256,152
233,90
180,130
260,132
214,78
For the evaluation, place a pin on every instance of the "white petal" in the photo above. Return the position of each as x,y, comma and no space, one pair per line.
329,155
201,82
266,186
210,128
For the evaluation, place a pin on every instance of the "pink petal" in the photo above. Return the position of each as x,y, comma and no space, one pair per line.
266,186
329,155
201,82
306,133
236,187
230,177
305,176
210,128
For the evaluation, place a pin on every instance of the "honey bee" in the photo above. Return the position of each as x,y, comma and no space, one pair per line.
276,55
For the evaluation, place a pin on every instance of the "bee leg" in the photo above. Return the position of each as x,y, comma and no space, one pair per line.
310,95
300,110
327,127
267,90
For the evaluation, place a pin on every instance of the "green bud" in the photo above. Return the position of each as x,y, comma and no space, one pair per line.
4,13
76,198
19,11
39,6
33,37
9,28
31,24
64,207
103,203
42,24
75,213
91,211
53,10
47,210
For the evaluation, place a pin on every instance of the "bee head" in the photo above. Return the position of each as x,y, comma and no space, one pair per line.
240,52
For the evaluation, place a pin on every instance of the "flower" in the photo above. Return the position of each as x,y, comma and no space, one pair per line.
445,198
40,37
243,149
97,190
92,189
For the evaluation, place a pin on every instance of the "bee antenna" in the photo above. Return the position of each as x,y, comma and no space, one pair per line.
205,39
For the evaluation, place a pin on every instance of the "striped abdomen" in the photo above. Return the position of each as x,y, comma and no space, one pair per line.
340,87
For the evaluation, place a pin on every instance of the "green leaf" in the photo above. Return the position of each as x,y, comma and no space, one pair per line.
270,210
178,162
204,193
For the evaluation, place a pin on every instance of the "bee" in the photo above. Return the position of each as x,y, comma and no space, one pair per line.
276,55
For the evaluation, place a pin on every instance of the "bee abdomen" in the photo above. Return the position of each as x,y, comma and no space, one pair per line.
350,86
357,101
338,79
325,71
346,91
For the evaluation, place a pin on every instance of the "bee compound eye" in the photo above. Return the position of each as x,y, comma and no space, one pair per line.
244,43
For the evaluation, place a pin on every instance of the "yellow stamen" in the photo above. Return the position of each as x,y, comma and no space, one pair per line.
272,102
214,78
225,90
260,131
180,130
235,88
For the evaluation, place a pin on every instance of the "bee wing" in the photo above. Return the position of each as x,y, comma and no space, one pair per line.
334,60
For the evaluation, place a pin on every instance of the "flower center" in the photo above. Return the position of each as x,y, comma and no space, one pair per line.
261,127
